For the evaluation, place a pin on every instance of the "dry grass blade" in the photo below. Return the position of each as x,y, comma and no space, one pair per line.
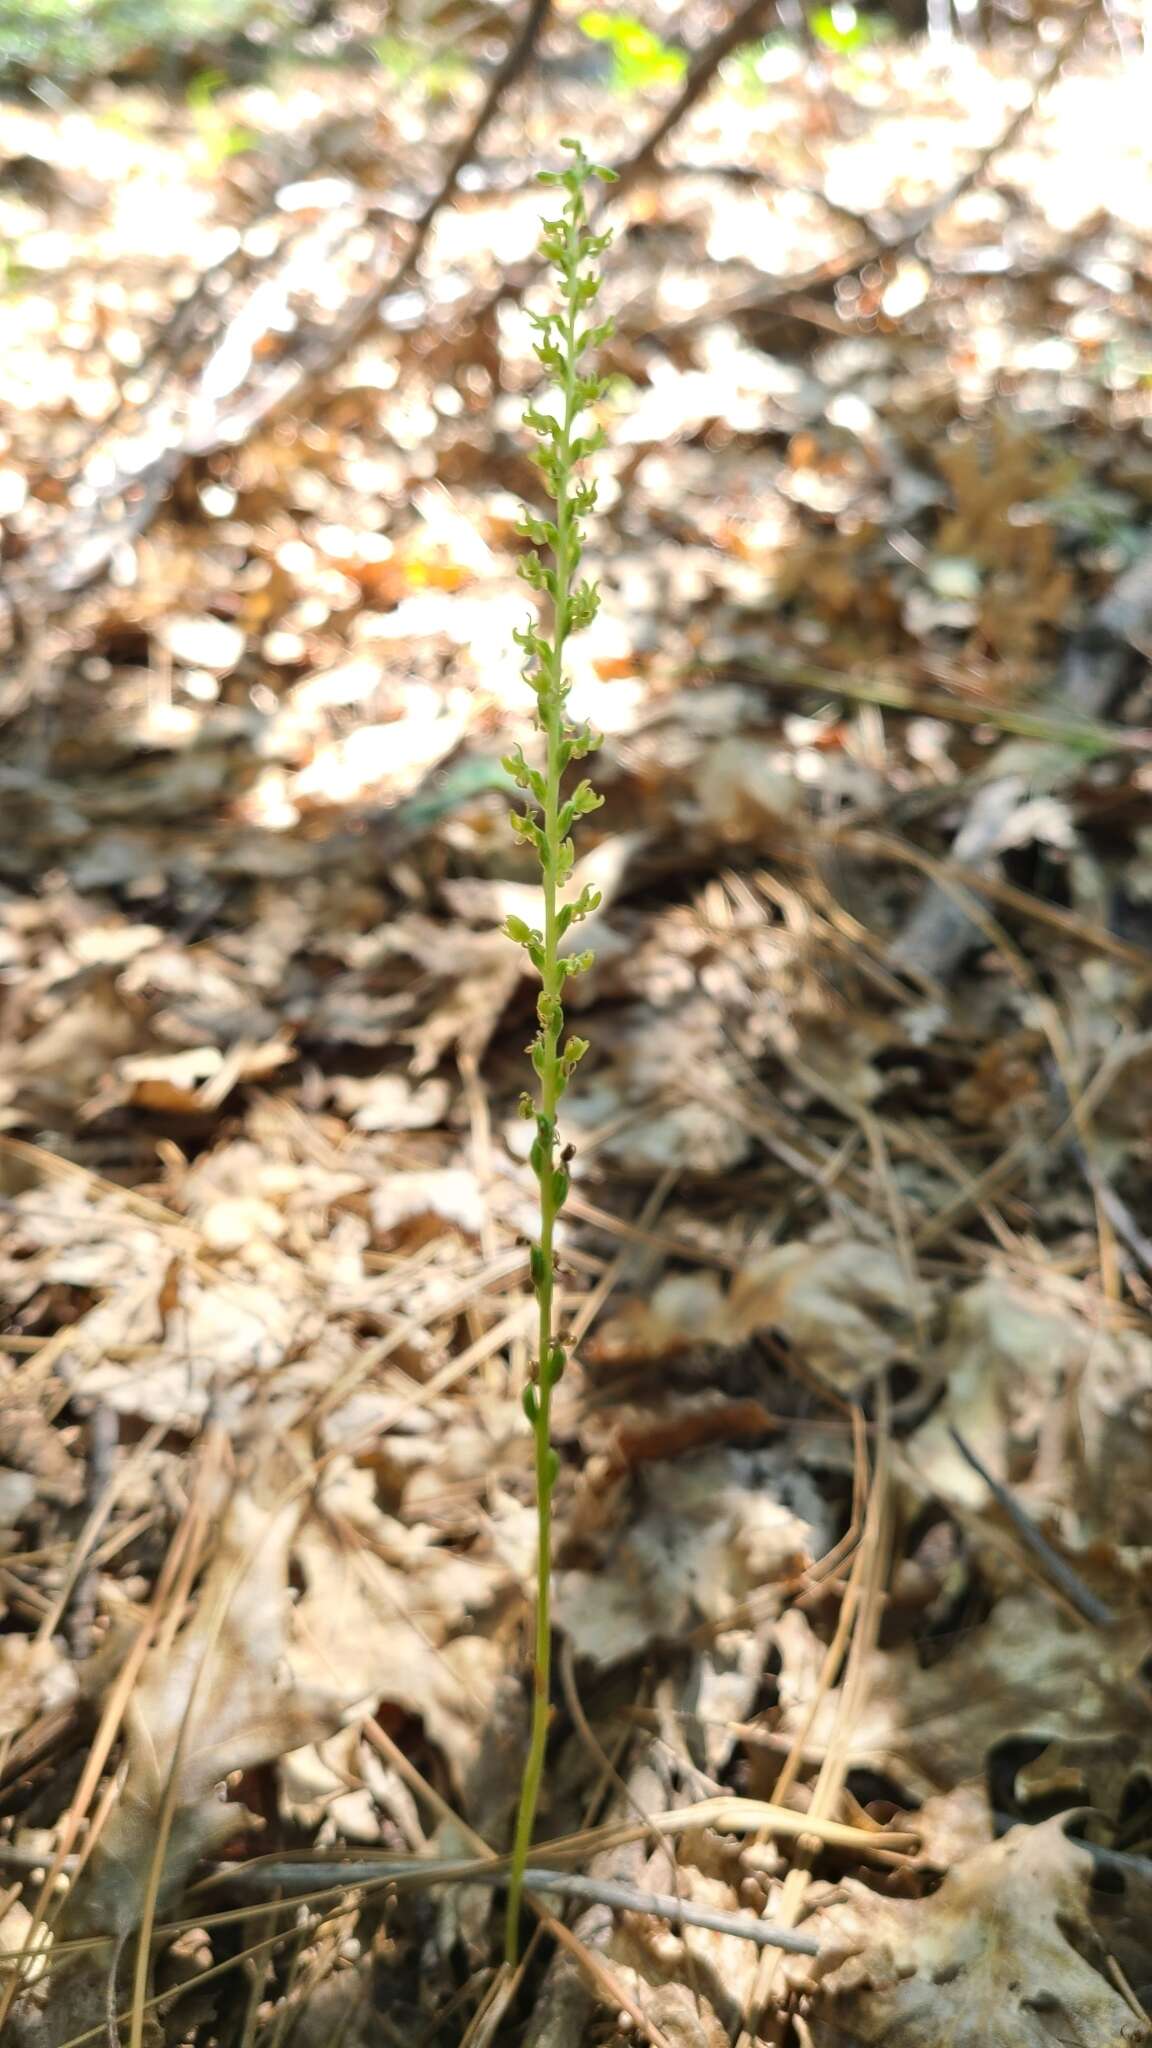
215,1705
609,1990
505,1266
856,1635
180,1564
964,883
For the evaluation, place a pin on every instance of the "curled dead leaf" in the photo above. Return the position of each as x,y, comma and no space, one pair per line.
847,1309
222,1698
1026,1671
192,1082
1051,1404
708,1531
1004,1955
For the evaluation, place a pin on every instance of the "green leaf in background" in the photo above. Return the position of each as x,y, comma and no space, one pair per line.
437,71
219,136
77,39
463,780
841,29
204,88
640,58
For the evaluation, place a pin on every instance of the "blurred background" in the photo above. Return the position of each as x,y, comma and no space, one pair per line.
880,283
877,423
869,1015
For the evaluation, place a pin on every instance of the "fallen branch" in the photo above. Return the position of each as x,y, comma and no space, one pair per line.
79,558
319,1879
1066,1582
878,247
747,23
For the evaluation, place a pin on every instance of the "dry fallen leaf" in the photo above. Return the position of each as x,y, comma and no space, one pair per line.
705,1532
684,1310
952,1825
451,1195
33,1677
741,795
68,1058
192,1082
1005,1357
223,1698
845,1308
205,1343
1052,1405
1025,1671
1004,1955
389,1102
668,1969
658,1099
388,1615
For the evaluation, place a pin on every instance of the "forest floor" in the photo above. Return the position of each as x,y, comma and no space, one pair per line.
854,1544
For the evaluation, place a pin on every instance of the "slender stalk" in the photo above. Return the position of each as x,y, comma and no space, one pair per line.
546,823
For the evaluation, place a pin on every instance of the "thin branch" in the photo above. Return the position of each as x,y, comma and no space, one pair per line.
663,1906
1063,1578
878,247
215,428
600,1891
747,23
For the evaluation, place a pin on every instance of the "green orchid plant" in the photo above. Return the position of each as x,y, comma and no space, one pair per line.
565,340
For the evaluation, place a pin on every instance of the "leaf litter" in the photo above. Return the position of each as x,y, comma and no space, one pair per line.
859,1183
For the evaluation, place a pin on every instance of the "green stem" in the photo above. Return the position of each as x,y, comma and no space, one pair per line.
552,980
570,245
